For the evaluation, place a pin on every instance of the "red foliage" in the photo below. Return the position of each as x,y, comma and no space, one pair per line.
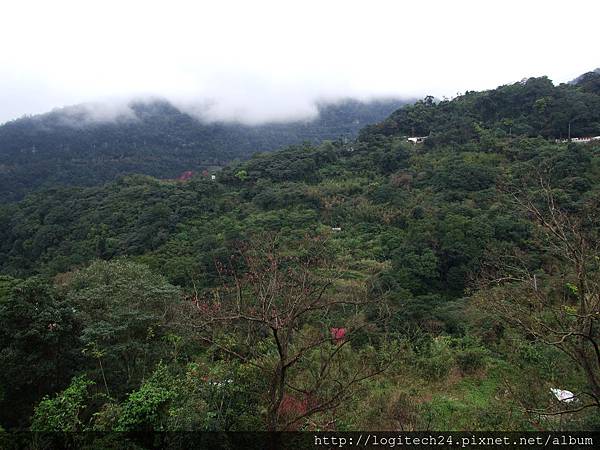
292,407
186,175
338,334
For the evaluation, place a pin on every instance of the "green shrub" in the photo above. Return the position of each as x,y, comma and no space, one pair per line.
437,360
472,359
146,407
61,413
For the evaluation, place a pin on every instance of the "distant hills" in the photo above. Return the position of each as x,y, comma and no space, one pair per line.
70,146
75,147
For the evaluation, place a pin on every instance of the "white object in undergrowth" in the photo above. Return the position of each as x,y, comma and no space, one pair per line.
562,395
221,383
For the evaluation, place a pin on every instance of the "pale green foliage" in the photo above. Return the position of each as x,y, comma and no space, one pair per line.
61,413
143,409
572,288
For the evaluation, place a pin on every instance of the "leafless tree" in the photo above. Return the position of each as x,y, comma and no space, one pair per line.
556,302
289,301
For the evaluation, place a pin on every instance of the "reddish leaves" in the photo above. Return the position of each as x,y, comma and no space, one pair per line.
186,175
338,335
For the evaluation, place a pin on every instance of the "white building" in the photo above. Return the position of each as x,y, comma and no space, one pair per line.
580,140
586,139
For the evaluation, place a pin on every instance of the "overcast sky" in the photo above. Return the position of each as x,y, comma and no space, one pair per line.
261,60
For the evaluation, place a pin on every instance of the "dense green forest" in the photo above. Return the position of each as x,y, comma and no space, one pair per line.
369,284
72,146
534,107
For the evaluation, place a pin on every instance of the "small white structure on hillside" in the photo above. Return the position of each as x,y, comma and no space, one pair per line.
586,139
563,396
580,140
417,139
336,229
213,177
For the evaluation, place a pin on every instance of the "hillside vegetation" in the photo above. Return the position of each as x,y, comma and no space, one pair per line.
366,284
77,146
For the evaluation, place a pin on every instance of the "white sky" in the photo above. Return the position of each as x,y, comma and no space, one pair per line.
259,60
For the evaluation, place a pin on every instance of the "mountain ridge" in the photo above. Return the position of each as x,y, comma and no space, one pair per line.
68,147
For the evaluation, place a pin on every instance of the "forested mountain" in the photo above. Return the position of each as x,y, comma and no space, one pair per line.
74,146
533,107
370,284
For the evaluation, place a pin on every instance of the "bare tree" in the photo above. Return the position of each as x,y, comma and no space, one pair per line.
556,302
268,295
